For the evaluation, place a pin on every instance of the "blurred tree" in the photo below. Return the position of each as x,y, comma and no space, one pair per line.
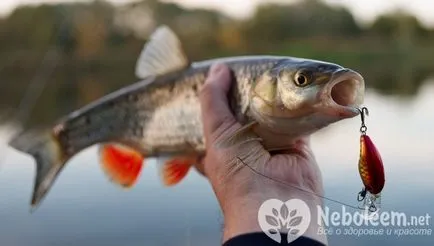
305,19
92,26
231,37
18,33
198,28
100,44
397,24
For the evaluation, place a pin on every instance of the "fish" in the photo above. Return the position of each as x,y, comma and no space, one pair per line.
279,98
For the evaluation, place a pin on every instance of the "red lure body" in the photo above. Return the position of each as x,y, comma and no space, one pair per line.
371,166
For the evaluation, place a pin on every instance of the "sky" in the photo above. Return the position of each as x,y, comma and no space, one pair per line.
364,10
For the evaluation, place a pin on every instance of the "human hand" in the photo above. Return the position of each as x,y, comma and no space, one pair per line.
239,190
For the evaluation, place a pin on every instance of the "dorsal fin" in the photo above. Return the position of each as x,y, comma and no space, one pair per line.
162,54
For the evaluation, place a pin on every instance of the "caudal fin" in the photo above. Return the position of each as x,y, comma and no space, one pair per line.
49,158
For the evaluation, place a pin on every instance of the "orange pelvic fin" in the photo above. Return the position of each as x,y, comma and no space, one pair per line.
175,169
121,164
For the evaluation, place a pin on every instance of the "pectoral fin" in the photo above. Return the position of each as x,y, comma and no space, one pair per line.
121,164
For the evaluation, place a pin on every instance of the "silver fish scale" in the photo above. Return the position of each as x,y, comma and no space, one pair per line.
161,117
175,124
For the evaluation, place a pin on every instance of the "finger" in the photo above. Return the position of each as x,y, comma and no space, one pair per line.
214,99
200,165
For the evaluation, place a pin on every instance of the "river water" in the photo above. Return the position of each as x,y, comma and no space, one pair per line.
83,208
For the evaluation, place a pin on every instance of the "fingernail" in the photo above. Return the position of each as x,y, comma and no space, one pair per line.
216,69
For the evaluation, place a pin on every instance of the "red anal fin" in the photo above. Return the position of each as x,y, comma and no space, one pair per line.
121,164
175,169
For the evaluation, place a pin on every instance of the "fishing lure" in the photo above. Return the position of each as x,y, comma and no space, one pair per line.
370,168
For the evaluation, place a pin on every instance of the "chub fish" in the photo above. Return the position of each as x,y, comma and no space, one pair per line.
281,98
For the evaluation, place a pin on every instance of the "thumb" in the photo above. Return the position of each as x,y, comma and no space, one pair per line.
219,125
216,113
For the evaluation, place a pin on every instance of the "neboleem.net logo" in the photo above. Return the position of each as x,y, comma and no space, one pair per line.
294,217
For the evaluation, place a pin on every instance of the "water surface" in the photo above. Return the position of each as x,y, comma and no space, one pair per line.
83,208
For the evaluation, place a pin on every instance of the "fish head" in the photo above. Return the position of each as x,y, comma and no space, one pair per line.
300,96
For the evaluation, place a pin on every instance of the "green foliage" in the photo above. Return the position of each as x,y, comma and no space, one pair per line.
99,45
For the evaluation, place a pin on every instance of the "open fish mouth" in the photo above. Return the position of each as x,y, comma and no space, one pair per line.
344,94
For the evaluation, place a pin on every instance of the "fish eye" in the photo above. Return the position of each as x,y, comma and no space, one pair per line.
302,79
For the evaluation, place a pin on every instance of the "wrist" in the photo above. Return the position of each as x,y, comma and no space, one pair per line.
241,215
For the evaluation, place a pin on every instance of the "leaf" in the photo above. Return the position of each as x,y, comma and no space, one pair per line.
295,221
272,231
284,211
275,212
271,220
293,212
294,232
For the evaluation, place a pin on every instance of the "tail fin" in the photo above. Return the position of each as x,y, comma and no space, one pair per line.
49,160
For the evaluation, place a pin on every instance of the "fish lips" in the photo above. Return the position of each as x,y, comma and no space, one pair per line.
343,95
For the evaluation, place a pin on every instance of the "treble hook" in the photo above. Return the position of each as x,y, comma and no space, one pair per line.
362,195
363,111
372,208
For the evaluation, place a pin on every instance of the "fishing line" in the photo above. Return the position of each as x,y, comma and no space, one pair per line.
299,188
